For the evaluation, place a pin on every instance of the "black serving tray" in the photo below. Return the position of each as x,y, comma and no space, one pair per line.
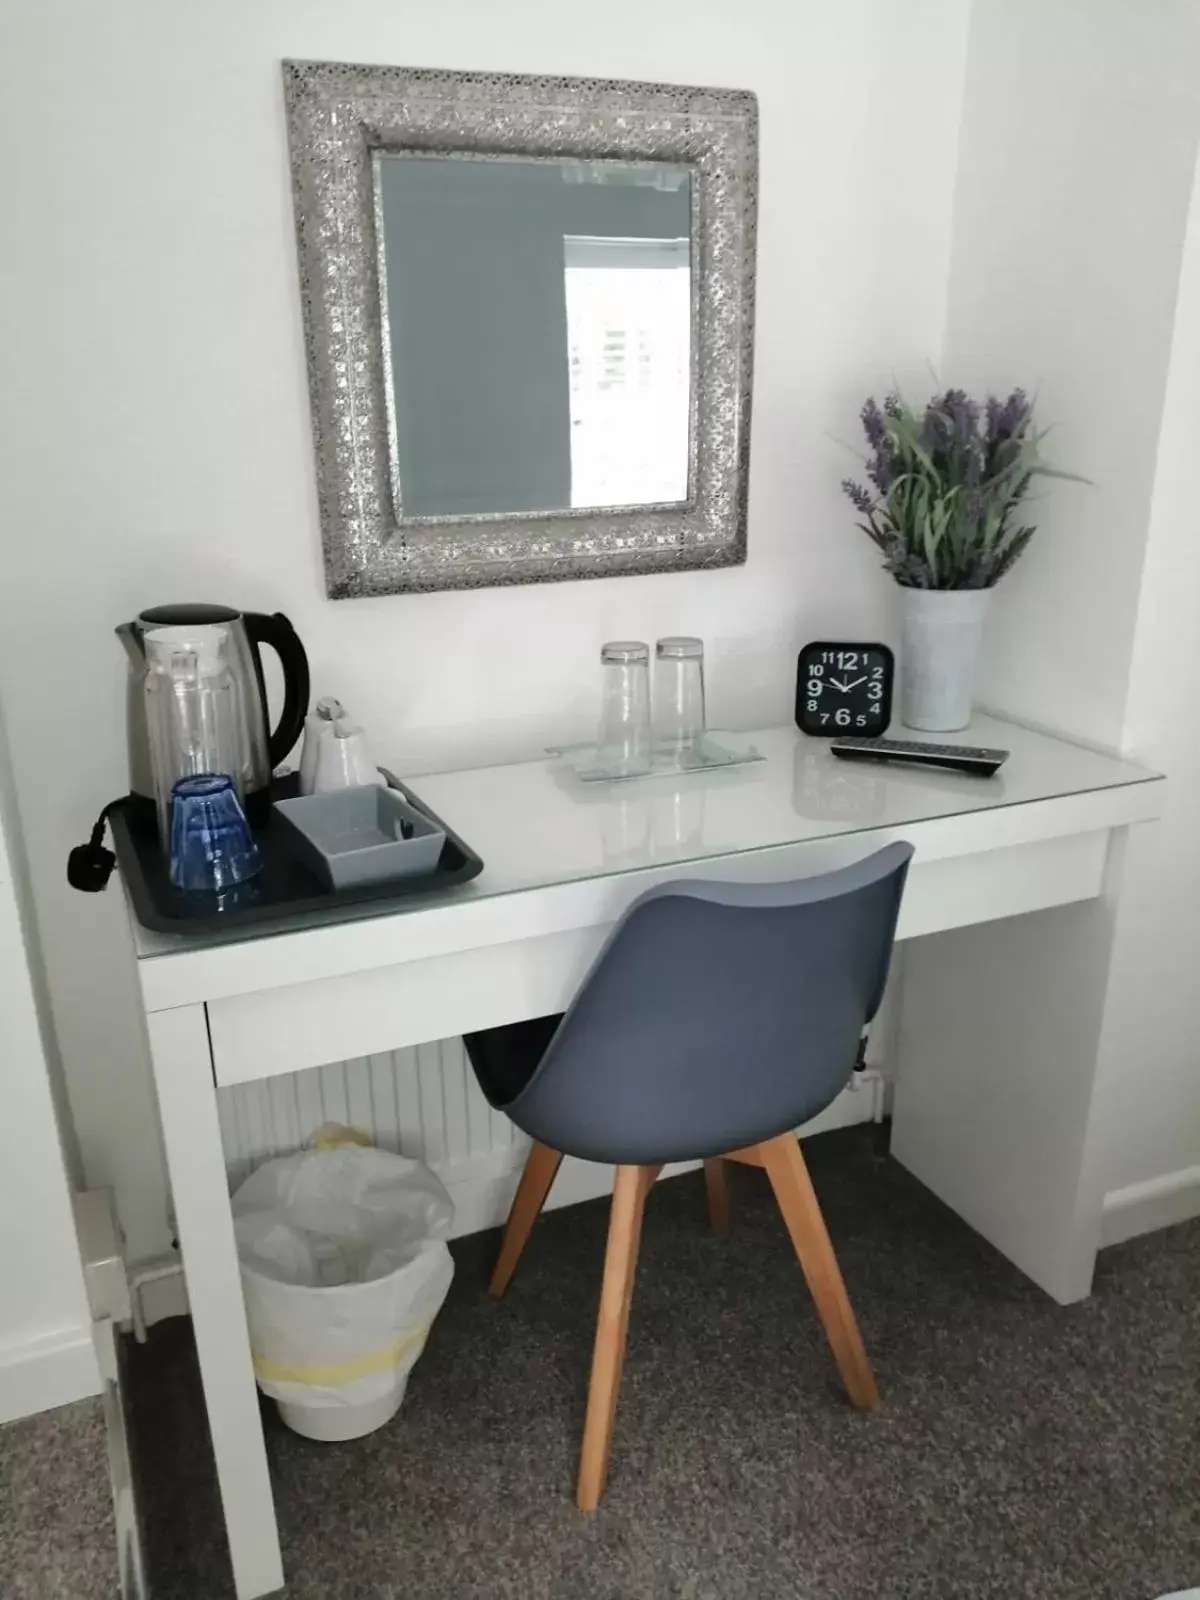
286,890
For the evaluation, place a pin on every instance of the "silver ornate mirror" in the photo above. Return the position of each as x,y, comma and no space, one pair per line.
528,308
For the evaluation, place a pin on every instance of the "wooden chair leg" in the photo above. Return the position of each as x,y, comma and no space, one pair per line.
716,1181
794,1191
540,1167
612,1327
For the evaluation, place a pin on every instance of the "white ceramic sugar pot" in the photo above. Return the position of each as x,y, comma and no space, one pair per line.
344,759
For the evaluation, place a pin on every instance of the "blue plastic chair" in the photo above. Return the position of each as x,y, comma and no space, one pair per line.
717,1019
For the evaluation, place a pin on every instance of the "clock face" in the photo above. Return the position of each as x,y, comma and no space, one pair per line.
844,689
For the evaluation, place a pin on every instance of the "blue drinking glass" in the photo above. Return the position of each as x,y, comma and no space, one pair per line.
211,846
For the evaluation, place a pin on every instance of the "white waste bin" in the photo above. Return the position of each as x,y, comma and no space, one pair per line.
344,1267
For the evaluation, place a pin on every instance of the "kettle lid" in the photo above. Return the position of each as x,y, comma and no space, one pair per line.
186,616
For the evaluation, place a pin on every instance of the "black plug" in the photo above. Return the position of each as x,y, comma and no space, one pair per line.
90,865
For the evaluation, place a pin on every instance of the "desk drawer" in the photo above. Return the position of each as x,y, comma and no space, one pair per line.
362,1013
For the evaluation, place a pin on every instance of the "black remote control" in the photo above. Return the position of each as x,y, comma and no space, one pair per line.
979,762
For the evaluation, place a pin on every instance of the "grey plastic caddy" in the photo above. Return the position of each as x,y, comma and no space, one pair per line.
355,836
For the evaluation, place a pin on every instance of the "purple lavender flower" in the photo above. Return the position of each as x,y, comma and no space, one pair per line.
966,417
934,427
994,410
891,405
1018,408
859,497
1007,421
881,468
873,425
957,415
881,471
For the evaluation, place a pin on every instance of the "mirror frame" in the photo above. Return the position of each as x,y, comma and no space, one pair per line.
338,117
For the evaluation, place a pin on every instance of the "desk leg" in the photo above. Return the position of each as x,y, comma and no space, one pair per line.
187,1102
996,1080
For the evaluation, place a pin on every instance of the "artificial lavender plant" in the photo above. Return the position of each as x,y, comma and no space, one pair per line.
949,486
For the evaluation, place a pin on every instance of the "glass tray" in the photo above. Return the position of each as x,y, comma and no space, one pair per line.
713,752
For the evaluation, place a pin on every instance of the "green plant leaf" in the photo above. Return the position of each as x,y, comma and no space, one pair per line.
1041,470
903,431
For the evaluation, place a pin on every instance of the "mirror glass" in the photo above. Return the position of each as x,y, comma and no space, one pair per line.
538,332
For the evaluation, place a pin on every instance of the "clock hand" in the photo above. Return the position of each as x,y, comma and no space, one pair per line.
856,683
834,684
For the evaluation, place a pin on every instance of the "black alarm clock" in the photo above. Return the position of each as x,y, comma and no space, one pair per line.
844,689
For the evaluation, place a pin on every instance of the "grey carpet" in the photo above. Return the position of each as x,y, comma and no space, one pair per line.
1022,1450
57,1539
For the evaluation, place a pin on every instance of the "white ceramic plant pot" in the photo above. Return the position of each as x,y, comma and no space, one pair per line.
940,634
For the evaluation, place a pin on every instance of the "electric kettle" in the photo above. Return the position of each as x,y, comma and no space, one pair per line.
262,750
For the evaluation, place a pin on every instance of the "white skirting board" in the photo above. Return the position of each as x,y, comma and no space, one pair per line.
424,1102
1144,1207
50,1370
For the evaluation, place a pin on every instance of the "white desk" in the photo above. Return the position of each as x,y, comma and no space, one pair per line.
997,1041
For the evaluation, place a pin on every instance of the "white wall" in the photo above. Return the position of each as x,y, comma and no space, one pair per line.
46,1353
1078,160
156,446
1150,1049
1078,144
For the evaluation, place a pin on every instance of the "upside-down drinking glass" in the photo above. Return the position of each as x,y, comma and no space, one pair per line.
211,846
625,749
679,696
192,712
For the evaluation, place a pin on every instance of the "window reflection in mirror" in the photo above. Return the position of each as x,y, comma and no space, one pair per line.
538,332
628,339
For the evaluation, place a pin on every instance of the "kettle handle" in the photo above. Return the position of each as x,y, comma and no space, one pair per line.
277,631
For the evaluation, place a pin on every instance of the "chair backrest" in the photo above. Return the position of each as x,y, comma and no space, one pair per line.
718,1015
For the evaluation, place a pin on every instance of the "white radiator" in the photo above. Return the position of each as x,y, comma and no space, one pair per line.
422,1102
